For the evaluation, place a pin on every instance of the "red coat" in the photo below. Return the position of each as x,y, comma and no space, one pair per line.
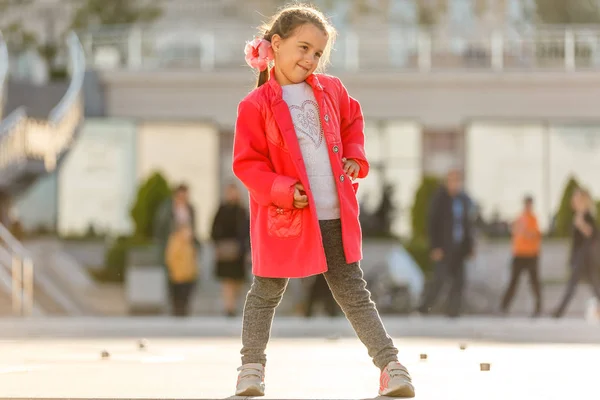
286,242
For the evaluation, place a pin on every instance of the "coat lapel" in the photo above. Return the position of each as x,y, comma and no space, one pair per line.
283,118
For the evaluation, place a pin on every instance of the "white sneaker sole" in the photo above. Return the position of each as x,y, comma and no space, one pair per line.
407,390
252,390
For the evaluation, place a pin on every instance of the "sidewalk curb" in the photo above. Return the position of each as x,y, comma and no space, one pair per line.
472,328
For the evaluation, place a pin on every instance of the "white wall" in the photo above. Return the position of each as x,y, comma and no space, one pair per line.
505,161
184,152
97,182
574,151
396,145
37,207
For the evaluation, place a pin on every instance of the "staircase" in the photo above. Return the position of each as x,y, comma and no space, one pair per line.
3,72
33,141
31,147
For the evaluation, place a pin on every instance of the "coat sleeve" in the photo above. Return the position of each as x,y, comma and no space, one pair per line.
251,163
193,223
171,253
352,129
215,232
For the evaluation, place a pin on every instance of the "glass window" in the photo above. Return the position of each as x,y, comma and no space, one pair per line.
515,10
404,10
461,12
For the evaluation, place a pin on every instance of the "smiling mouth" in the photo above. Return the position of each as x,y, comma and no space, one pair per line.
304,68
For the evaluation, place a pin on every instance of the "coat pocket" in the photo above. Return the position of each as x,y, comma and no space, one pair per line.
355,187
284,223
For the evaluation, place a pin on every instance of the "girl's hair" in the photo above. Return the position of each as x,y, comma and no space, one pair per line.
285,23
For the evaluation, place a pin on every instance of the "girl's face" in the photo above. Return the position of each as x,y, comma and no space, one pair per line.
298,56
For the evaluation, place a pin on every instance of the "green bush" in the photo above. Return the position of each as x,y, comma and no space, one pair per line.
418,245
59,74
115,258
420,208
150,196
564,215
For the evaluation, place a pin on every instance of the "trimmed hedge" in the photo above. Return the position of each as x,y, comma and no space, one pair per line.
150,196
418,246
564,214
420,208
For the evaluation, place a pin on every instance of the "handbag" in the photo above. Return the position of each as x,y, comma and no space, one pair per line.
228,250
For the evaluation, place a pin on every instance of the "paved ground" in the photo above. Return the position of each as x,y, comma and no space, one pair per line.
62,359
298,369
516,330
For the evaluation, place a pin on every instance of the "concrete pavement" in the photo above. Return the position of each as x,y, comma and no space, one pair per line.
309,368
196,358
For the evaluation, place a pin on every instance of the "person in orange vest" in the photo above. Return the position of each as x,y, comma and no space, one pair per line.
527,240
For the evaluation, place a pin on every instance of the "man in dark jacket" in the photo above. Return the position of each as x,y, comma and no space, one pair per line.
451,241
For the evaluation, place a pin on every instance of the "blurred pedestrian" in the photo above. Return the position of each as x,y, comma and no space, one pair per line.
527,240
451,242
319,293
230,233
174,216
584,249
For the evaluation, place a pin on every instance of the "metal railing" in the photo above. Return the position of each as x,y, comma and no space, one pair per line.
388,48
22,271
3,71
23,138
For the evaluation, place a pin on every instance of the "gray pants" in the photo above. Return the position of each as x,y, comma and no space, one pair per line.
349,290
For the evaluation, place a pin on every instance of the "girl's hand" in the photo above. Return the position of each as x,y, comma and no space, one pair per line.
351,168
300,197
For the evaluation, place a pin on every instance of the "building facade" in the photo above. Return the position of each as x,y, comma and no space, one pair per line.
516,108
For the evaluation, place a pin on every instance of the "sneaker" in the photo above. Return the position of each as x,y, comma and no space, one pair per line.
395,381
251,380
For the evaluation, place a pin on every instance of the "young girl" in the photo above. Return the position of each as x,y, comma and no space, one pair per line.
299,143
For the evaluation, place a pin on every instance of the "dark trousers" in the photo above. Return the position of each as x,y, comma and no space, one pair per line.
583,266
519,265
181,294
450,268
320,293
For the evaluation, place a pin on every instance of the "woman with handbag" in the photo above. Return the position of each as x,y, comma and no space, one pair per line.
173,216
584,251
230,233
